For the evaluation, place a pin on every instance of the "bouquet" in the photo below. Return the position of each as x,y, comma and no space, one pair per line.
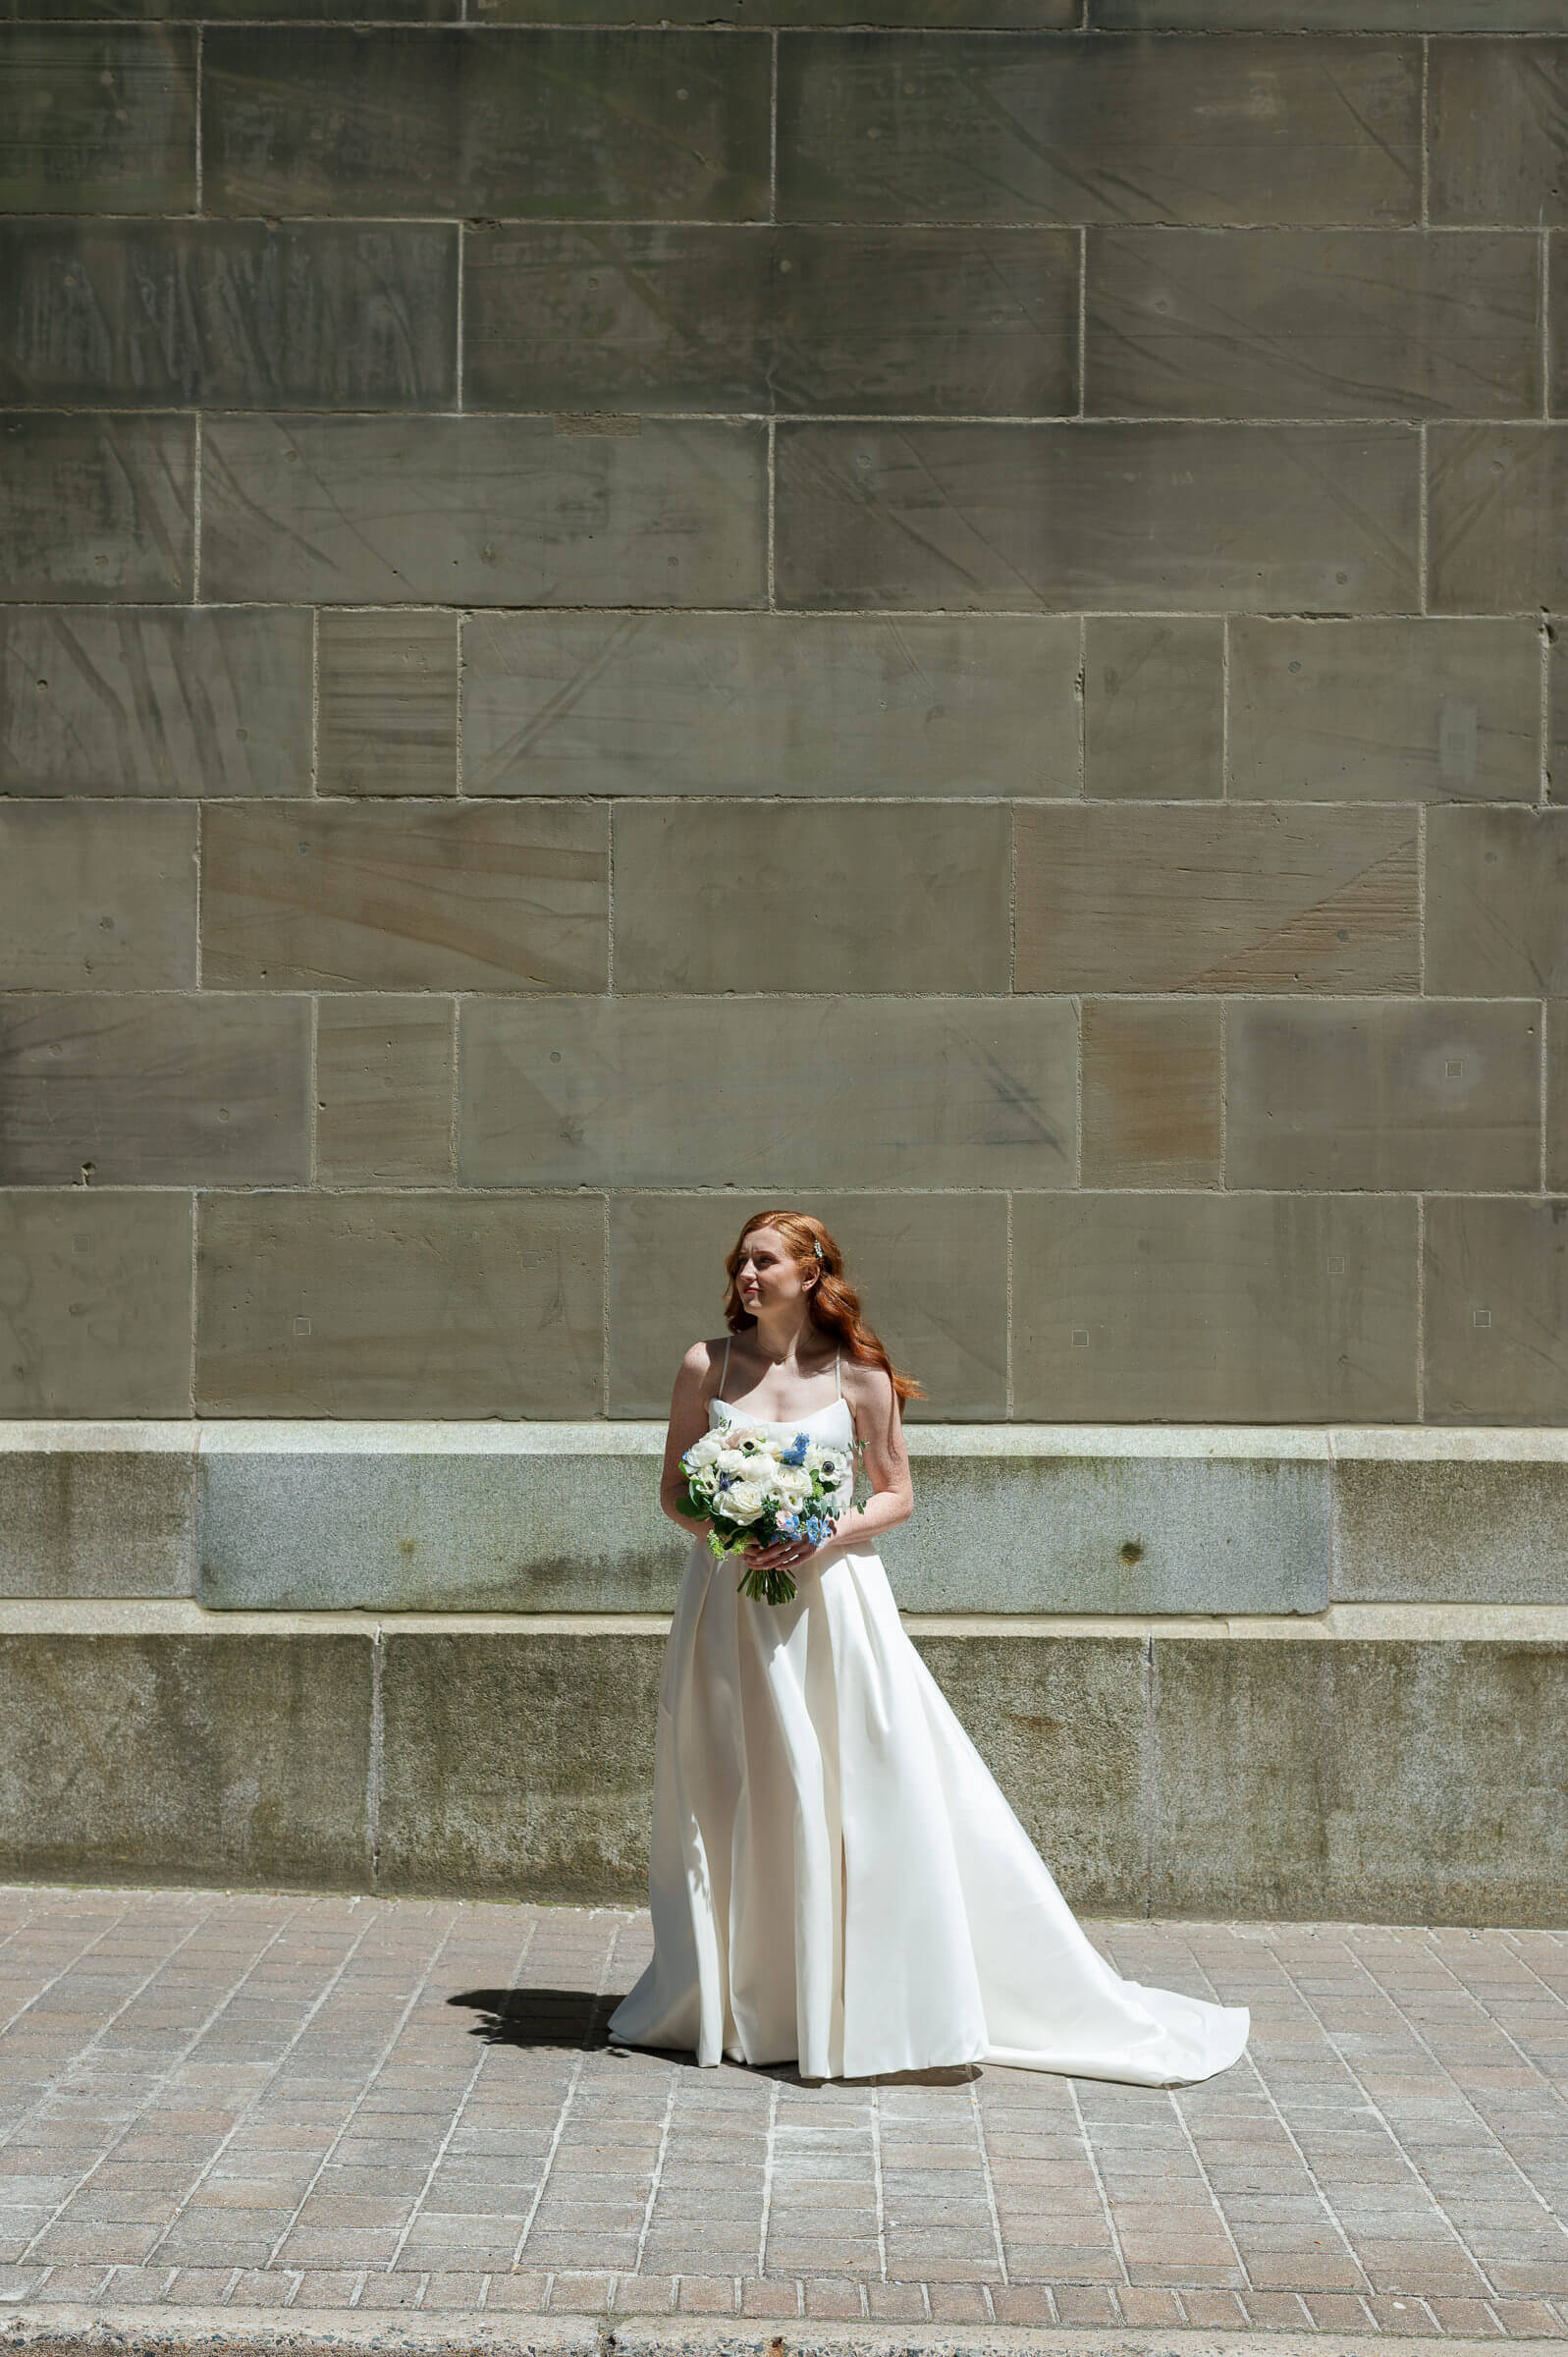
749,1484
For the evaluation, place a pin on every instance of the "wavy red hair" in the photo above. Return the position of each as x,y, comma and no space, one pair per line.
835,1303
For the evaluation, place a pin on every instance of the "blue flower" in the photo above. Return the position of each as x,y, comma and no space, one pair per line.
813,1530
795,1454
789,1522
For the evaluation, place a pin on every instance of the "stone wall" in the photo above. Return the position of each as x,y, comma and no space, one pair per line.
612,619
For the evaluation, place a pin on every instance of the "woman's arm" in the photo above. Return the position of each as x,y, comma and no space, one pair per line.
879,1422
688,1421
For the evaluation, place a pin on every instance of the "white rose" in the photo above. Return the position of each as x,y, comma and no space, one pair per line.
744,1501
704,1452
736,1463
792,1484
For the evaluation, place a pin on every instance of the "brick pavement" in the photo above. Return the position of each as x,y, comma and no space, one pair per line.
261,2101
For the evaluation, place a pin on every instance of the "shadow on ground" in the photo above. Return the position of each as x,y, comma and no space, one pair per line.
579,2018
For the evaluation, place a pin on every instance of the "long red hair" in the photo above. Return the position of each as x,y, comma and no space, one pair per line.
835,1303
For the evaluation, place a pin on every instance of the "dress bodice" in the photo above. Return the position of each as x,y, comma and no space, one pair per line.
729,1413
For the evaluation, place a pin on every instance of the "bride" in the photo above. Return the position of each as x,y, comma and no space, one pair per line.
835,1880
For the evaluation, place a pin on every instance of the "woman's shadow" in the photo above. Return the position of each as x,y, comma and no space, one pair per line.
579,2018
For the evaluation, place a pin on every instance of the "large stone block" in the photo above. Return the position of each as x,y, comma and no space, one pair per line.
664,317
1031,1519
1154,707
564,1518
1326,16
658,316
1384,711
555,123
386,703
187,1757
900,898
1496,1313
406,895
931,1271
873,128
152,1090
94,1303
801,705
1310,323
1496,111
1470,1518
400,1305
1059,1726
1498,499
1035,15
96,507
1498,903
97,121
484,511
448,1517
1396,1094
1233,1308
97,896
1152,1114
159,700
384,1086
1556,1172
519,1764
1323,518
620,1092
96,1510
232,314
1214,899
1379,1779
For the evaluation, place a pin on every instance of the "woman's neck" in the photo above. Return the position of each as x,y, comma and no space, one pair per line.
787,1346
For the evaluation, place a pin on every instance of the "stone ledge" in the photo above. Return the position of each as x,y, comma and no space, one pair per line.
1409,1766
1028,1518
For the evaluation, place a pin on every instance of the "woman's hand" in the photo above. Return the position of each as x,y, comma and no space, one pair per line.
785,1553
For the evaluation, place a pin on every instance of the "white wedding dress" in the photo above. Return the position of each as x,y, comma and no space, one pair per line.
836,1878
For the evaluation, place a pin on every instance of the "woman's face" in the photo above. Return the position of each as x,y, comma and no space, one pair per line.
767,1276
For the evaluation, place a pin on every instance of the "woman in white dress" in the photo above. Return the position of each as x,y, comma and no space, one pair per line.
836,1878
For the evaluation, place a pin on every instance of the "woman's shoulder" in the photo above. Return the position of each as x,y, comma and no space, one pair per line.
702,1357
866,1382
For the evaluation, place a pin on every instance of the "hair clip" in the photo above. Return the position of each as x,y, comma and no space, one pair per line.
816,1248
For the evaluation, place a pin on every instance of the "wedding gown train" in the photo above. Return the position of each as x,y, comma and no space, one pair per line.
835,1878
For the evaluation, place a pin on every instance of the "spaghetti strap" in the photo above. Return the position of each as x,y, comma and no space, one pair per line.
723,1371
838,1379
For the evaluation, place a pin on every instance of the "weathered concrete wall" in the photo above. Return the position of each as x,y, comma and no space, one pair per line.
1022,539
1331,1767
